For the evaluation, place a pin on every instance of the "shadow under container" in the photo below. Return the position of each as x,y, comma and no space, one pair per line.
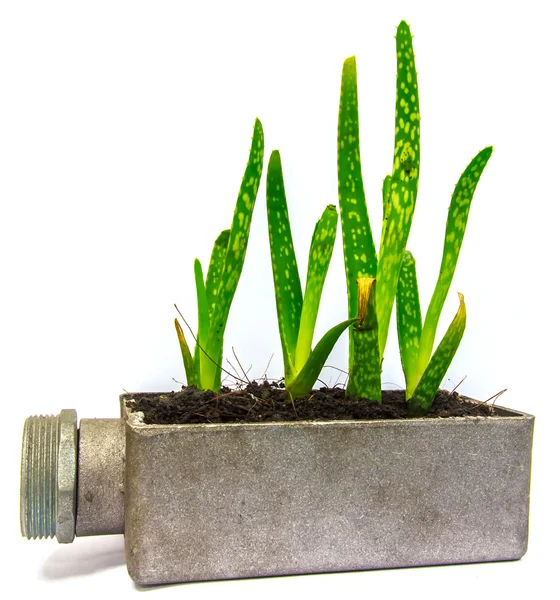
206,502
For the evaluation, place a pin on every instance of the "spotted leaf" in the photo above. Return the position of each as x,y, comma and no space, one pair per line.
409,318
404,182
457,217
320,253
360,257
386,205
237,245
305,380
432,377
287,285
215,269
364,379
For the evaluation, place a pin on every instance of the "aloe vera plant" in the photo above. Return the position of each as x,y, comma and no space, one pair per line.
297,311
369,336
215,294
424,372
374,281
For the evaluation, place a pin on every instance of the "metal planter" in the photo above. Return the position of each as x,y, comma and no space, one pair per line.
209,502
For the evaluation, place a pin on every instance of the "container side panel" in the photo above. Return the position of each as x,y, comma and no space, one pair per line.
224,502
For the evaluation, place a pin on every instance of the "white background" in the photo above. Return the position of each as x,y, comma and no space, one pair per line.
124,132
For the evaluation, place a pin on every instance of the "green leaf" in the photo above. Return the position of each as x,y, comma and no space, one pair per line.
409,318
287,285
386,206
454,232
306,378
190,371
360,257
206,366
237,244
364,379
218,373
202,303
404,182
320,252
296,315
213,278
432,377
215,269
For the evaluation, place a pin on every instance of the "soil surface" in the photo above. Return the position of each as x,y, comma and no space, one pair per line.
266,402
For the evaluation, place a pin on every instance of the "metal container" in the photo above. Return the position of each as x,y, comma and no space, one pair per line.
200,502
248,500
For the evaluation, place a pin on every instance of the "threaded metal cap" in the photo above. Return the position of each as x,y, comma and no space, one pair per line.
49,458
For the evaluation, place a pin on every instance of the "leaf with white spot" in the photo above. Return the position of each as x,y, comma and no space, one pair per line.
287,284
409,318
386,191
364,378
297,314
215,269
457,217
404,182
237,245
306,378
320,253
432,377
360,257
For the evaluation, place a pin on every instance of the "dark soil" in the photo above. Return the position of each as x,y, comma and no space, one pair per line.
266,402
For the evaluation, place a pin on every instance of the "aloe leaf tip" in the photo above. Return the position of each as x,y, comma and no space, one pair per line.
403,28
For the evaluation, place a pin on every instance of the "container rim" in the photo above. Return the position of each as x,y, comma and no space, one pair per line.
503,413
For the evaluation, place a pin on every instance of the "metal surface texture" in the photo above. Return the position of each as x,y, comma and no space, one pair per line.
201,502
66,477
62,496
48,477
247,500
100,507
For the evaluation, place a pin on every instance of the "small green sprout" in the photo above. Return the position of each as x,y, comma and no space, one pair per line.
215,295
374,281
297,311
